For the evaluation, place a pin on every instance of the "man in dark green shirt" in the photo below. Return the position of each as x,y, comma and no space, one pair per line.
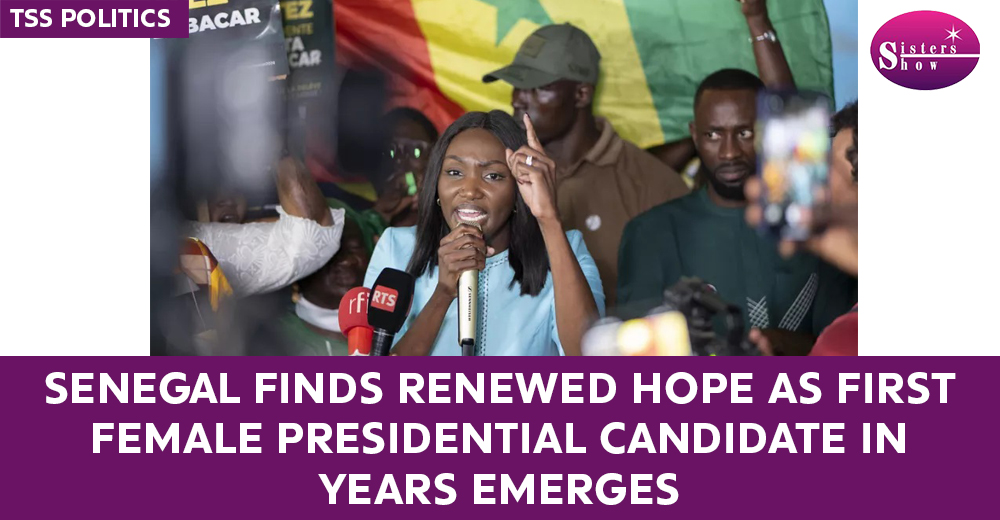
705,234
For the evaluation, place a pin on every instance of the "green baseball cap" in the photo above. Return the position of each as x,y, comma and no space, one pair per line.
552,53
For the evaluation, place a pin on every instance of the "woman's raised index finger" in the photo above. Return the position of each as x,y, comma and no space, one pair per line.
532,136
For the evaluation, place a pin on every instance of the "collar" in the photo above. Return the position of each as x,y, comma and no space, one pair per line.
605,151
499,257
326,319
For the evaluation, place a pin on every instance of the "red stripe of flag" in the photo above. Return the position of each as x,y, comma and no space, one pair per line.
385,34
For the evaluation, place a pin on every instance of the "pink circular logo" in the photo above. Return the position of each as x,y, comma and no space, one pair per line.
925,50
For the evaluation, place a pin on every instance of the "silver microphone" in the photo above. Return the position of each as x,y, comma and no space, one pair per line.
468,302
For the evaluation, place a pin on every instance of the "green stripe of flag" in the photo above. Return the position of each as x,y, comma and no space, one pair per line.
682,41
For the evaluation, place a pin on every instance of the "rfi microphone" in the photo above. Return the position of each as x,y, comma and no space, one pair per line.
388,305
353,316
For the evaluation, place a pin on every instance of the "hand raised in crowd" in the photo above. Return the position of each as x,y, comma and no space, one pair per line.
298,192
754,8
462,249
394,201
535,174
835,231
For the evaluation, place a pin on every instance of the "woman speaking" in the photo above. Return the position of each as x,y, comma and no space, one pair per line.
488,203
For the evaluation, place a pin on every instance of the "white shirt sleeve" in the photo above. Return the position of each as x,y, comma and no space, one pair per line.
262,257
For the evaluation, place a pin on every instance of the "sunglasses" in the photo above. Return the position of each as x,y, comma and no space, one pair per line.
406,149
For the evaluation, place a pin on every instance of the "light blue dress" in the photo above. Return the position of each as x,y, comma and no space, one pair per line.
509,324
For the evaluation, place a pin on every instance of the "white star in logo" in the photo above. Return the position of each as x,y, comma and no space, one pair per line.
952,33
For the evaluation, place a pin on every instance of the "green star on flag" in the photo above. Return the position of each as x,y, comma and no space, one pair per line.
510,11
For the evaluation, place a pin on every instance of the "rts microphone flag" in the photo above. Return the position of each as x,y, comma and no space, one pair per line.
388,306
353,315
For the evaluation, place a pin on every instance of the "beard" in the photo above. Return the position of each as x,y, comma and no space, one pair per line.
728,190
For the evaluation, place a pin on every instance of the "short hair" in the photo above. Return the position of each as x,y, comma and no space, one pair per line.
728,79
398,114
846,118
527,254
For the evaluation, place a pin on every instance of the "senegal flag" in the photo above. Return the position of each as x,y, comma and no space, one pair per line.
654,52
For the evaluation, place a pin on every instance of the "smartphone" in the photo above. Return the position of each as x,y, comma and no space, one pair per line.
793,152
411,184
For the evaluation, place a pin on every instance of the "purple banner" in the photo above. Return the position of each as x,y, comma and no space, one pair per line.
94,19
939,465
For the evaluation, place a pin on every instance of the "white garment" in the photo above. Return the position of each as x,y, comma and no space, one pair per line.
326,319
262,257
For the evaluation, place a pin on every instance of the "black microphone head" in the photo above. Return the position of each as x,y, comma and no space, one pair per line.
390,300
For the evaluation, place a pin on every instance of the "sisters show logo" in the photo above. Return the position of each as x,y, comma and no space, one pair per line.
925,50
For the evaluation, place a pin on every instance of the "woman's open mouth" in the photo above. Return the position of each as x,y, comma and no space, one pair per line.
470,214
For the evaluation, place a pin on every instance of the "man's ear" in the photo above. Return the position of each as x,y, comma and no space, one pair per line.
691,131
584,95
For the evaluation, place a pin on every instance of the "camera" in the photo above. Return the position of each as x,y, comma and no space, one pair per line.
682,325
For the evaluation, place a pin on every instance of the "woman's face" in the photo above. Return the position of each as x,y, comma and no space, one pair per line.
475,185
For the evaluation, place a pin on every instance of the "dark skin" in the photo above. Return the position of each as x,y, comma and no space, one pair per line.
775,74
676,154
228,208
835,239
770,58
474,177
771,64
299,194
562,114
477,191
843,186
345,271
395,206
723,132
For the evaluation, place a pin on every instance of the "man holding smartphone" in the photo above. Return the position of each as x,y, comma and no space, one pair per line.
413,135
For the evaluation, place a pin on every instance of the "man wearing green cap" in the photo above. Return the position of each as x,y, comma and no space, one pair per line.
602,180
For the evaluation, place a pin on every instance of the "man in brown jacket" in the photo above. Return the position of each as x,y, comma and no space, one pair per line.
602,180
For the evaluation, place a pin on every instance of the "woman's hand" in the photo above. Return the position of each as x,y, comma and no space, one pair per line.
536,181
462,249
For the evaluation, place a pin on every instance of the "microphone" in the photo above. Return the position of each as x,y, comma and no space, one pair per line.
468,303
388,306
353,316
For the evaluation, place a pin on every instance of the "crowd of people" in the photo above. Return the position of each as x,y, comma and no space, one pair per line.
564,220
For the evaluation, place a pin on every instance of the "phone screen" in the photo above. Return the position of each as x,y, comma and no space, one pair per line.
793,148
411,184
